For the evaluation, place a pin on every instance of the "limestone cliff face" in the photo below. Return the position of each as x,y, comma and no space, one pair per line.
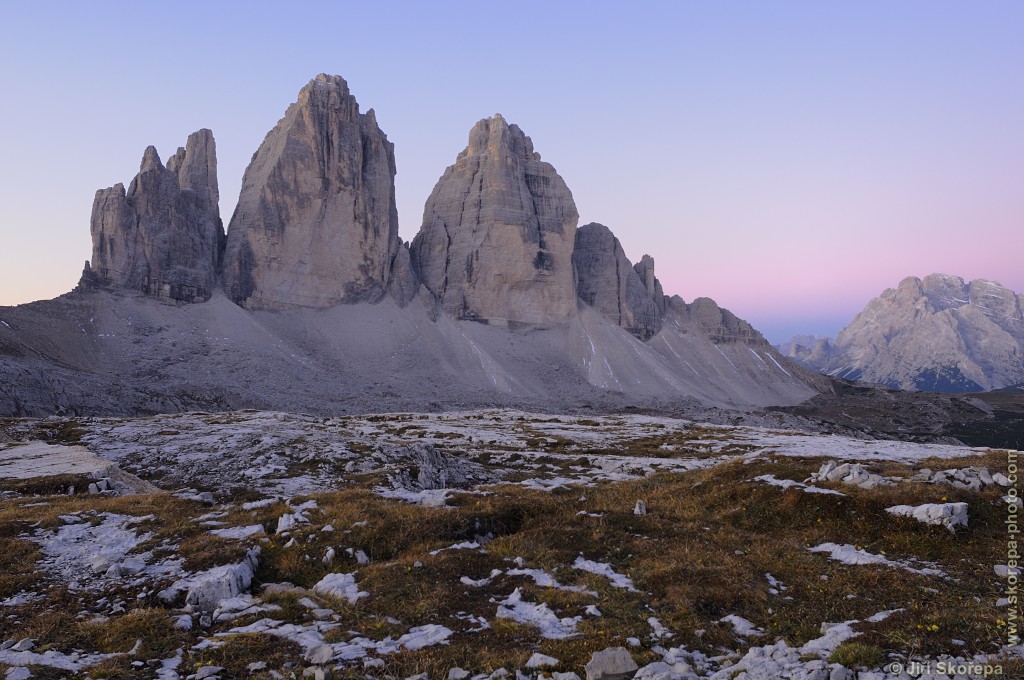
316,223
939,333
163,236
628,296
719,324
498,231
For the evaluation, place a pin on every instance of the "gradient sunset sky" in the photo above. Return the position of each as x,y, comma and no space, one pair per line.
789,159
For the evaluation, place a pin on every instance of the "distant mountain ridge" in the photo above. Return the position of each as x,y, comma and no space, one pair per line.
938,334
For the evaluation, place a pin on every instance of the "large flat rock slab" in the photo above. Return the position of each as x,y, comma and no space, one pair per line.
39,459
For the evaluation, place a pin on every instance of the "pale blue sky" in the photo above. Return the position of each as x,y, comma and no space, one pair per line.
788,159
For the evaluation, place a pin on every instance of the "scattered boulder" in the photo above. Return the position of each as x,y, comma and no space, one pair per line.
539,660
848,473
498,233
659,670
640,508
949,515
973,478
614,663
24,645
319,655
204,591
341,586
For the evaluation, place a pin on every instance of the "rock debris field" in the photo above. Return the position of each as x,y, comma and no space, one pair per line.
496,543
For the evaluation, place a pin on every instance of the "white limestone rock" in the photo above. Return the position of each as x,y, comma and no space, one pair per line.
498,232
614,663
949,515
204,591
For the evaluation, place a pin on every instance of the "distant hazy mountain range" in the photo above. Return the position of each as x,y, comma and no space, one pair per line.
937,334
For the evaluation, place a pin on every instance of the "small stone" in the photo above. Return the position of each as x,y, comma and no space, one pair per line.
18,673
256,666
659,670
319,655
640,508
93,489
24,645
539,660
1001,479
614,663
208,672
7,644
459,673
317,673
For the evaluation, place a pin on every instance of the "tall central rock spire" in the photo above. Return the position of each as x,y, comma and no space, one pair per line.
498,230
316,223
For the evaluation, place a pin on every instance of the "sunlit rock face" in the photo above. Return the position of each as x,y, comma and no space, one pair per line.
163,236
937,334
316,223
498,231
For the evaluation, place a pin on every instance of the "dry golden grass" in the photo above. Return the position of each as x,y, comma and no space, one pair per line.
701,552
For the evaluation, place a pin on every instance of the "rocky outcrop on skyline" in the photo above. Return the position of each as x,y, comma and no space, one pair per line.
316,223
628,296
937,334
163,236
498,231
719,324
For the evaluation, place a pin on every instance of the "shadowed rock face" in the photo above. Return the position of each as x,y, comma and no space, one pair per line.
163,237
628,296
498,230
316,223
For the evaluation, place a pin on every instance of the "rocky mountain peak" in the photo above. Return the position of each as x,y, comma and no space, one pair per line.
163,236
316,223
498,231
195,164
495,136
938,333
150,160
